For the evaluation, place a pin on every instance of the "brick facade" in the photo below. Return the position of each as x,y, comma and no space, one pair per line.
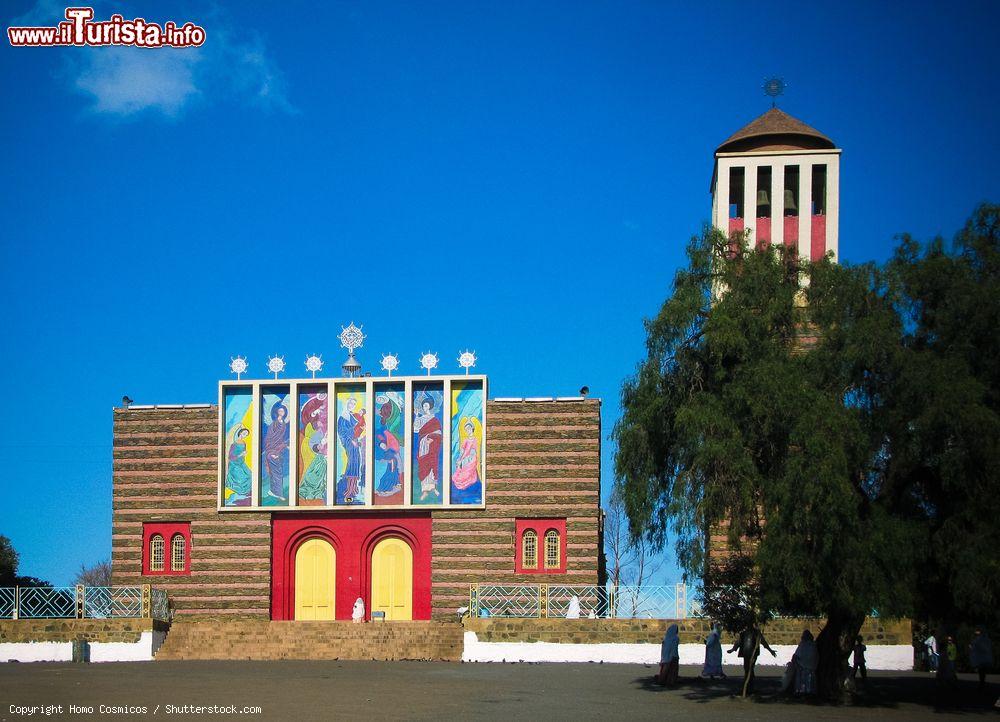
543,460
651,631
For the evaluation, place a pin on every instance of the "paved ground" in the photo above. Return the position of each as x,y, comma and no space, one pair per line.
303,691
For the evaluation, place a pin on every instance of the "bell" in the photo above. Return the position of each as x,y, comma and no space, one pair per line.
790,206
762,199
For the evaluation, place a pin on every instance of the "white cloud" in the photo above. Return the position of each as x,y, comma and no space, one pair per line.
125,81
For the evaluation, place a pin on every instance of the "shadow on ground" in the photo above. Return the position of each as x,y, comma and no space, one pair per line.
884,690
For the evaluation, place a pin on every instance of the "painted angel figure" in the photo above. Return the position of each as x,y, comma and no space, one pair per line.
465,474
427,427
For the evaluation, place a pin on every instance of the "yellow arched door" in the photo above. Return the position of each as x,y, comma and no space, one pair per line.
315,580
392,579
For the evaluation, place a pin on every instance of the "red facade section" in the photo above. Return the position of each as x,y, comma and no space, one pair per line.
763,232
353,538
540,527
791,232
167,530
818,241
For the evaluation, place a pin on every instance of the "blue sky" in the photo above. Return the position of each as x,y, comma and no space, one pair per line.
518,178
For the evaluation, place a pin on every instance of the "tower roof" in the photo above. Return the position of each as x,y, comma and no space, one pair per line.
775,130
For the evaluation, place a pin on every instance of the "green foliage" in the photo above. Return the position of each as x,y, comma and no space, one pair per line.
736,416
852,410
734,601
945,421
8,562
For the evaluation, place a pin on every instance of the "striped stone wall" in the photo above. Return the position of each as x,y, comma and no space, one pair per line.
165,469
543,460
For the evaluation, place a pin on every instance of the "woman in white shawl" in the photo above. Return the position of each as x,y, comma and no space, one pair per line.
358,613
805,661
573,610
669,657
713,654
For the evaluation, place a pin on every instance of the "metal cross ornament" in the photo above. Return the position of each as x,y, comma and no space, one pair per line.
314,363
773,87
351,337
429,361
276,364
467,359
238,366
390,362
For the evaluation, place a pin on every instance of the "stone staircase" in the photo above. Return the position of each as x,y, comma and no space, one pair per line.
260,639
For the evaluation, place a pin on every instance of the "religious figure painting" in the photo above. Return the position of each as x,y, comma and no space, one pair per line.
238,404
351,439
466,442
428,443
312,445
274,452
390,444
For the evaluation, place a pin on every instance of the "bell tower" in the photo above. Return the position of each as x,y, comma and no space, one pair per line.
780,179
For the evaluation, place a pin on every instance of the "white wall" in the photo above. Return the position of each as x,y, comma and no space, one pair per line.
898,657
141,651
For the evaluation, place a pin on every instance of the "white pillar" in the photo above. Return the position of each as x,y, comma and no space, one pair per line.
750,200
777,203
721,220
833,206
805,209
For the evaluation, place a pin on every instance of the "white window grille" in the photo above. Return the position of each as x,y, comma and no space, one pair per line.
156,553
177,552
552,550
529,550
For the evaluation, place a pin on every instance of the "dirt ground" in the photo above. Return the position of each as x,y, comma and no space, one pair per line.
303,691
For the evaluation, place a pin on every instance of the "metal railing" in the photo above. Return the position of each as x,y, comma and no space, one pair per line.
80,602
606,602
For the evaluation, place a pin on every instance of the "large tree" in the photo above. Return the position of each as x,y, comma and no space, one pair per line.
759,410
945,423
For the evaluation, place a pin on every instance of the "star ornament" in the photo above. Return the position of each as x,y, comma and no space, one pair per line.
238,366
314,364
351,337
276,364
390,362
429,361
467,359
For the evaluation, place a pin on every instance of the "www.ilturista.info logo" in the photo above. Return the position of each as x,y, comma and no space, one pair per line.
79,28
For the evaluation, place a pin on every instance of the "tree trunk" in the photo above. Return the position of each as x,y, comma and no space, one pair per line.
835,644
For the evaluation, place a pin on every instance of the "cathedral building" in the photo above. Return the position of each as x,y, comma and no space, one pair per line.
293,499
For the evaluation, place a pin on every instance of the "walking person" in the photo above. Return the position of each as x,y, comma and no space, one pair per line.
859,661
981,655
946,667
713,654
669,657
748,644
930,644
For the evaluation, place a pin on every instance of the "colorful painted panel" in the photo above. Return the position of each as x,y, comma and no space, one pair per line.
238,429
428,443
314,417
275,417
466,442
351,438
390,443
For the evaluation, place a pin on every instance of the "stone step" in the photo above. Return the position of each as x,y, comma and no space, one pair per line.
257,639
